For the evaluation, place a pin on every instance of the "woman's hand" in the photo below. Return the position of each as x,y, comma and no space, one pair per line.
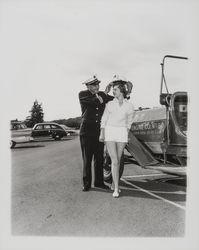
101,137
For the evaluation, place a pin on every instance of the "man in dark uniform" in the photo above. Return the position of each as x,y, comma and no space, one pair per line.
92,103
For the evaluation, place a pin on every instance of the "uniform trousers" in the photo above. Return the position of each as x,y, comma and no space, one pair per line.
92,148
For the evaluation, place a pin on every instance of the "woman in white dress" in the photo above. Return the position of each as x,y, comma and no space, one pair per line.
115,125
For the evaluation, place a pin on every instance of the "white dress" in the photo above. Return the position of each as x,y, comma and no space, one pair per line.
116,120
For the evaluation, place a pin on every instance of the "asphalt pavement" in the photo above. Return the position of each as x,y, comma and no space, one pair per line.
47,199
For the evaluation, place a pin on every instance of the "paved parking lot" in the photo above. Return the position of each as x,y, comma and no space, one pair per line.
47,199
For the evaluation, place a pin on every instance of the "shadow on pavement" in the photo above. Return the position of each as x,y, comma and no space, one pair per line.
51,140
101,190
180,181
28,146
168,191
34,144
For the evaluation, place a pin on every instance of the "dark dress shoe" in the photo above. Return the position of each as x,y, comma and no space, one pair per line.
85,189
103,186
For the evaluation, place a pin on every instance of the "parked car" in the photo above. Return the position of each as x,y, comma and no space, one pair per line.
69,130
19,133
49,130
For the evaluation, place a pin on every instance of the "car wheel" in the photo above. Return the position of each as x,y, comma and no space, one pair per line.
12,144
57,137
107,167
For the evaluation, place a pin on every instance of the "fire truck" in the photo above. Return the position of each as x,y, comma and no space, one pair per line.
158,136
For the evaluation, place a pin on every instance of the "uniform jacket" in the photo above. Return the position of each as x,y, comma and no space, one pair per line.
92,111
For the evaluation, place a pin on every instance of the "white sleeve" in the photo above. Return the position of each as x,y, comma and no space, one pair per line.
130,116
105,116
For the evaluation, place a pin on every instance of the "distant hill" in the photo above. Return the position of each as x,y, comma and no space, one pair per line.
71,122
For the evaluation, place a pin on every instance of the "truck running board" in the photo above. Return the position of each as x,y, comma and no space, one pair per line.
139,152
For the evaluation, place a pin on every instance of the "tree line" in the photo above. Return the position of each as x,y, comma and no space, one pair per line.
37,116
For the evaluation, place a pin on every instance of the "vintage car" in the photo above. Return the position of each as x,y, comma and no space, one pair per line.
158,136
50,130
19,133
69,130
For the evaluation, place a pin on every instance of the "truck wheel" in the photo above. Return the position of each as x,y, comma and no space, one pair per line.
12,144
107,167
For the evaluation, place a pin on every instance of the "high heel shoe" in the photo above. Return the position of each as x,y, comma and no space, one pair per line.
116,194
112,188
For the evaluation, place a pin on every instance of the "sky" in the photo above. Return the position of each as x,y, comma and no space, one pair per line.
50,47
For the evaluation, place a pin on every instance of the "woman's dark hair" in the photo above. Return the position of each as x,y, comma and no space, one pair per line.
122,86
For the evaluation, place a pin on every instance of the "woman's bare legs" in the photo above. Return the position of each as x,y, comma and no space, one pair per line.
112,150
120,148
115,150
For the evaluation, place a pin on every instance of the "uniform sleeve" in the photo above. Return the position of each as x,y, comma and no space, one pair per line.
130,116
105,116
106,98
87,99
109,98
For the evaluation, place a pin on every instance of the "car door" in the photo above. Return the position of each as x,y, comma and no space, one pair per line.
58,131
47,132
55,130
38,131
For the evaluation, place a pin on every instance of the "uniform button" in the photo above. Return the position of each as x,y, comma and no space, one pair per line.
96,114
97,108
96,121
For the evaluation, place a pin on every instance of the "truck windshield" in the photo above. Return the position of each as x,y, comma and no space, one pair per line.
180,107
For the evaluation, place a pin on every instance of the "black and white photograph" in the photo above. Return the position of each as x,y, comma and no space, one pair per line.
98,133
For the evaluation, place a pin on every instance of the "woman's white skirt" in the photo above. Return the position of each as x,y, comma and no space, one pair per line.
116,134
